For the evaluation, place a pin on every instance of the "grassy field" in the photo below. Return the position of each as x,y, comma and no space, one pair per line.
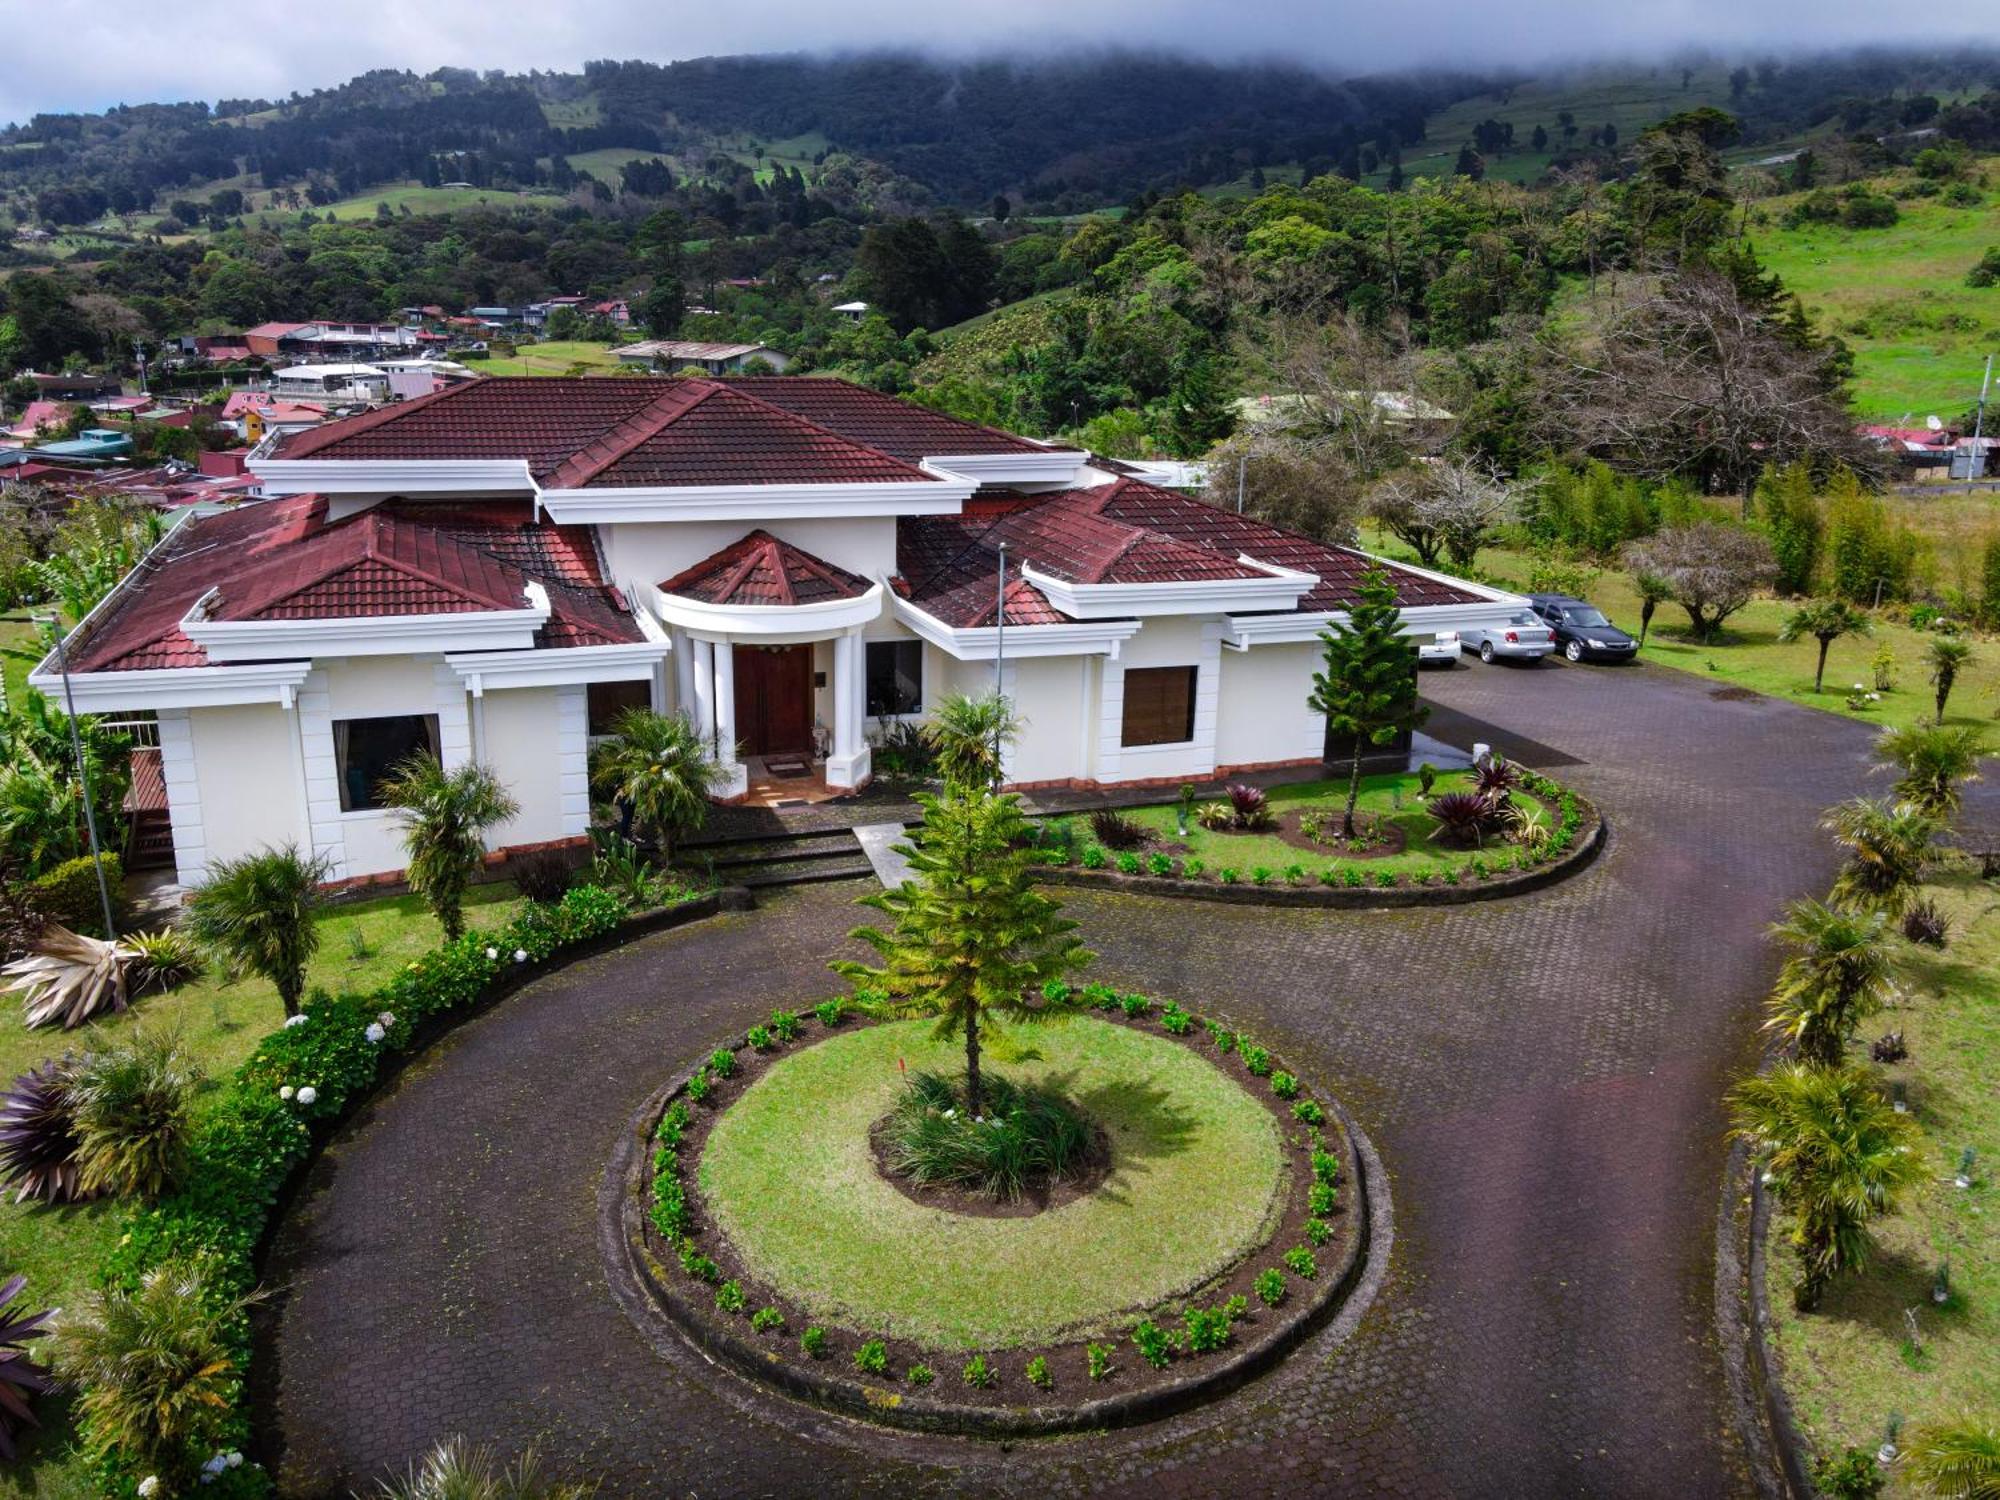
557,357
1850,1364
1196,1168
16,631
433,200
1748,654
219,1022
1898,295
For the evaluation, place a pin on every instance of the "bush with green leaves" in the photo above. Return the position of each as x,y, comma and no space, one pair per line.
767,1320
1129,863
1174,1020
1097,1360
1284,1085
1154,1343
1318,1230
1256,1059
919,1374
784,1025
1270,1287
1223,1038
978,1373
1308,1111
758,1039
1300,1261
872,1358
1852,1474
132,1107
1094,857
1029,1135
1205,1329
1161,865
729,1297
69,893
1037,1373
813,1341
722,1062
1322,1198
696,1265
1134,1006
830,1013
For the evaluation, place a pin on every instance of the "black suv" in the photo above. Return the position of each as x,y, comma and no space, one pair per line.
1582,632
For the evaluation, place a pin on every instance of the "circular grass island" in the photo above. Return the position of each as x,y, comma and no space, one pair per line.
1214,1217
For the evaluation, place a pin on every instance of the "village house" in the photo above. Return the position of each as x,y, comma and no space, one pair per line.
494,571
714,359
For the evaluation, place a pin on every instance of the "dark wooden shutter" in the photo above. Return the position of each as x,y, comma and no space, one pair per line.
1159,706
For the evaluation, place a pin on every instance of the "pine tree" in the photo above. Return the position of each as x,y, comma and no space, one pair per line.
1368,686
974,941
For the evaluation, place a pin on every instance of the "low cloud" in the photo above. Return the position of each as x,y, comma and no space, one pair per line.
87,54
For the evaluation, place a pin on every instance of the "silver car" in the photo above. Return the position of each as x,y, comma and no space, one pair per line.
1523,638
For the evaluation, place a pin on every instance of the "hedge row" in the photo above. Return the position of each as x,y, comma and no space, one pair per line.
260,1130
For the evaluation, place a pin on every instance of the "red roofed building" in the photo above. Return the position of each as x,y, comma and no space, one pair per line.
493,571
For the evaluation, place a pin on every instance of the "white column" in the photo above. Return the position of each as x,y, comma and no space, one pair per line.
315,712
701,684
683,658
183,796
1111,721
573,757
454,718
849,764
724,697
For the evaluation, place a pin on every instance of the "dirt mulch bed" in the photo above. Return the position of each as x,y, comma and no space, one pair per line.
1394,837
1134,1391
1037,1197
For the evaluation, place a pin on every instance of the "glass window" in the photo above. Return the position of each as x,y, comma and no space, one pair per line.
1588,618
1159,706
607,700
895,678
365,751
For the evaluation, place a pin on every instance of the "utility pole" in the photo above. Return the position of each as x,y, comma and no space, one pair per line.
999,657
1241,459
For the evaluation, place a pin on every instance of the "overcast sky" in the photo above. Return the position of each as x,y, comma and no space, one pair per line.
87,54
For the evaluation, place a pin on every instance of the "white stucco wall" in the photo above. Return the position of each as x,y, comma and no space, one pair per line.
370,842
1051,695
1164,641
654,551
246,768
521,731
1263,715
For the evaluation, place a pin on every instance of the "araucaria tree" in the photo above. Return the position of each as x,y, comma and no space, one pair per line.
445,815
259,914
1838,976
1826,621
657,765
1367,684
973,941
1836,1153
1712,569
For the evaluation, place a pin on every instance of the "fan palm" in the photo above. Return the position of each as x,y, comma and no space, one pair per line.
1956,1461
455,1470
1825,621
1888,846
1946,657
260,914
445,815
1934,762
657,765
1837,977
969,735
1835,1153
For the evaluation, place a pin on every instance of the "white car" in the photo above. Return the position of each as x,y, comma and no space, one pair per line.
1525,637
1439,651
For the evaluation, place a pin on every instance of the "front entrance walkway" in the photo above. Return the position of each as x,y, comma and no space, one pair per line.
1542,1077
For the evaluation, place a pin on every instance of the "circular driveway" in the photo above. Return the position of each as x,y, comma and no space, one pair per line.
1541,1076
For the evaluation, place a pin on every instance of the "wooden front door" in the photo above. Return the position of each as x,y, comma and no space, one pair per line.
774,699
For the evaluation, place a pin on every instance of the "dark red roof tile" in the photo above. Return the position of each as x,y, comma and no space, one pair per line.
759,569
897,427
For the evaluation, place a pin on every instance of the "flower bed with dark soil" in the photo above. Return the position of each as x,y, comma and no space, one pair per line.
1170,1291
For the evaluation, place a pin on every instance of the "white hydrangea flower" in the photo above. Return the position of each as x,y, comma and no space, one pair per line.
286,1092
298,1020
149,1487
308,1094
387,1018
375,1032
492,955
233,1459
520,955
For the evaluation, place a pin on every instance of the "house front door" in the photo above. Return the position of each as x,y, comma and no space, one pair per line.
774,699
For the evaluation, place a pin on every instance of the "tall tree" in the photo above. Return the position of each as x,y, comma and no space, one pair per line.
1946,658
260,913
1826,621
445,816
1367,686
973,941
1713,569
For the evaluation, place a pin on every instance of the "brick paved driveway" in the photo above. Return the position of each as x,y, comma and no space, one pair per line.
1540,1076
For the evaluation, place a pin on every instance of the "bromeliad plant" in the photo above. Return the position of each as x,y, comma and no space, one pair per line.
40,1148
21,1378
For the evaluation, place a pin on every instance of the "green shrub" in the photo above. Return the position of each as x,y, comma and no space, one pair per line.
920,1375
722,1062
698,1086
1129,863
1175,1020
1227,875
1300,1260
1098,1358
872,1358
68,893
1284,1085
1237,1307
132,1111
1295,874
1853,1474
813,1341
162,959
1205,1329
1159,864
729,1297
1093,857
697,1265
1326,1167
1260,875
1134,1006
1308,1111
1031,1134
1155,1344
784,1025
831,1012
1256,1059
1191,868
1224,1039
1270,1287
1038,1373
1318,1231
1100,997
1321,1199
978,1373
767,1320
673,1124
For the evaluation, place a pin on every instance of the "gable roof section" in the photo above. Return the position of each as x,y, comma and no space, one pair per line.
759,569
948,566
369,565
901,428
1068,537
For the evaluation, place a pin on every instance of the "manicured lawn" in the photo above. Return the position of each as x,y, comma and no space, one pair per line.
1393,797
16,631
1196,1172
419,199
557,357
59,1249
1850,1364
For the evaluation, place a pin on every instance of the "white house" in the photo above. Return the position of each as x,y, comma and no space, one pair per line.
716,359
494,571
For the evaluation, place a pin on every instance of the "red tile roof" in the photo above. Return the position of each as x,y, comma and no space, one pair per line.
611,432
759,569
897,427
947,567
283,559
1069,538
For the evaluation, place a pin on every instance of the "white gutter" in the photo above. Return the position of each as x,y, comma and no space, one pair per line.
766,622
982,643
370,635
1281,588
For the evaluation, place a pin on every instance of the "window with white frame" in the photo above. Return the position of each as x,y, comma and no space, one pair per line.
895,678
1159,706
367,751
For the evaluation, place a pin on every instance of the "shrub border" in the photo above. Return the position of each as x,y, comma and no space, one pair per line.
651,1296
189,1222
1570,862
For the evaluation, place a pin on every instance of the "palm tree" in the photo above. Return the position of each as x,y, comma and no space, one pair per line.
1653,591
969,736
1837,977
1835,1152
1946,656
259,913
445,815
456,1470
1888,846
1826,621
1935,763
1957,1460
657,765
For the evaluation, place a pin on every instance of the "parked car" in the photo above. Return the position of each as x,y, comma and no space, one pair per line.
1523,638
1441,650
1582,632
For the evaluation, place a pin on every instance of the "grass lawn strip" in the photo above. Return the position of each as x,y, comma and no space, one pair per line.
1849,1365
1196,1179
